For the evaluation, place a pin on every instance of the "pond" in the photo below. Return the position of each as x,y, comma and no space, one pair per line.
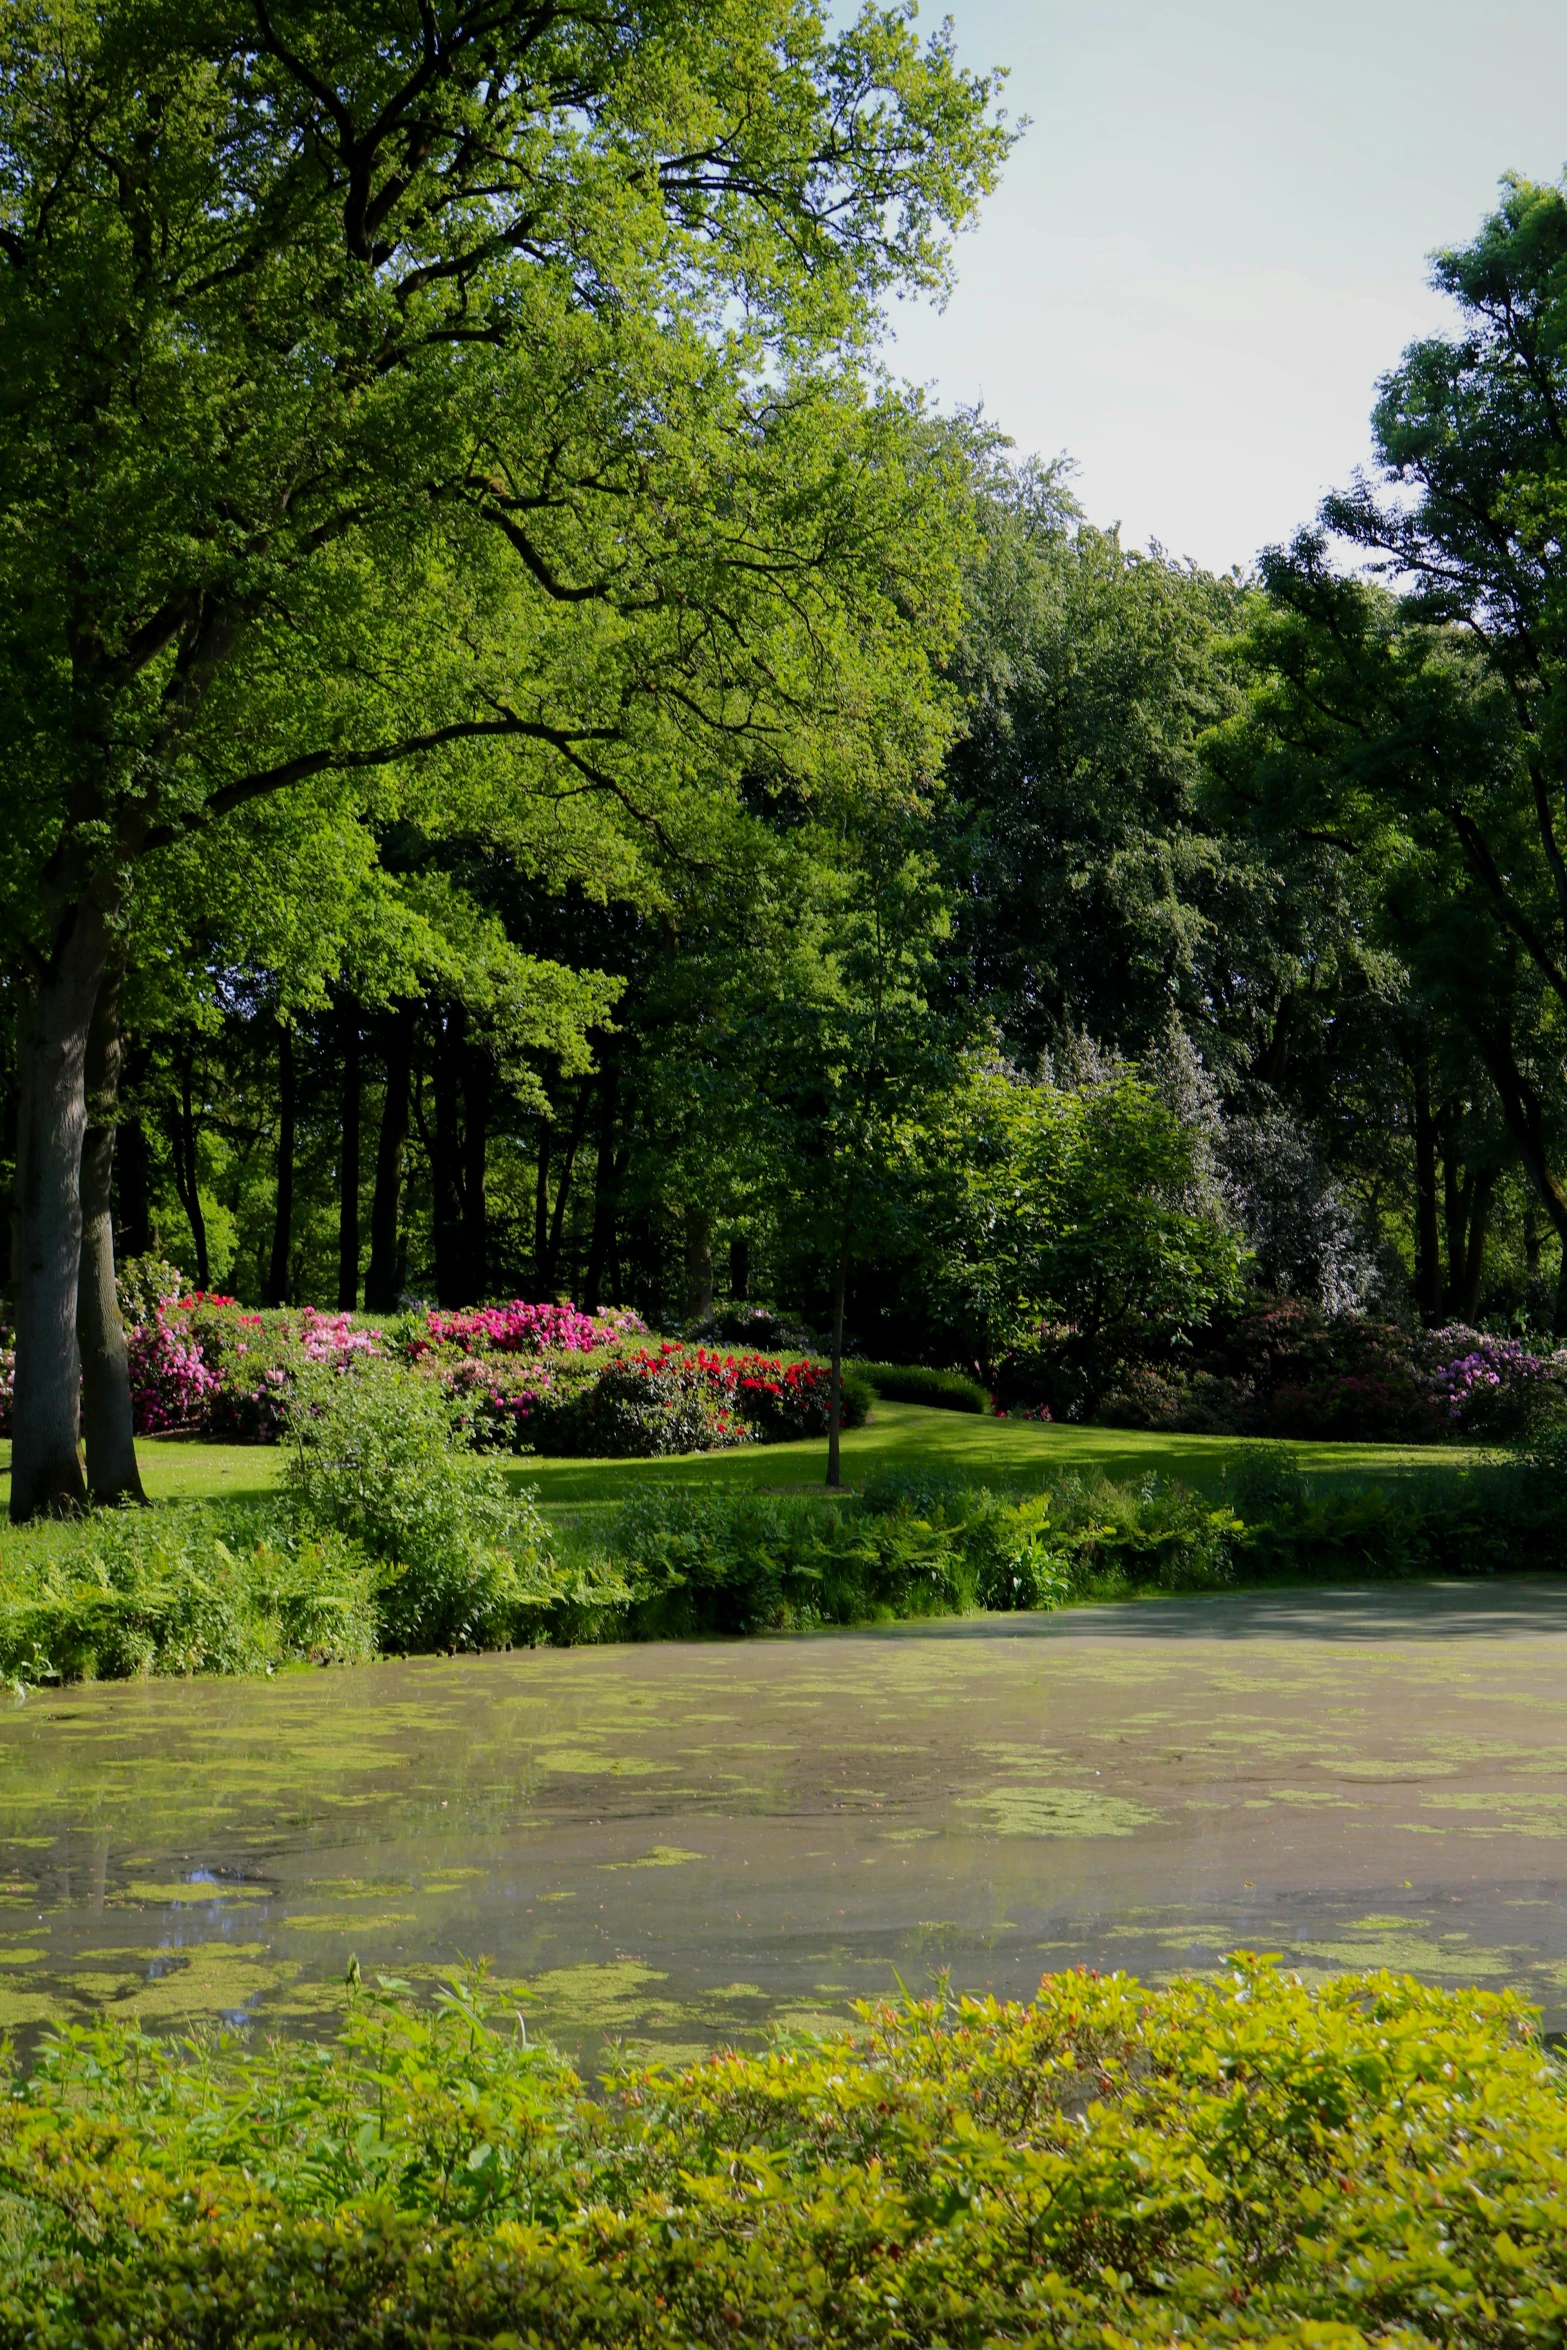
676,1844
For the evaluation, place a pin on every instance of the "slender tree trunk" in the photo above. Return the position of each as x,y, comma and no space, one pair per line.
601,1244
699,1265
54,1016
739,1268
444,1145
835,1384
541,1212
1474,1247
1531,1236
8,1115
477,1087
1523,1113
112,1473
579,1127
276,1290
1456,1191
348,1165
383,1277
187,1172
132,1186
1428,1263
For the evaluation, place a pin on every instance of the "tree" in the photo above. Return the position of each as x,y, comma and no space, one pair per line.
429,410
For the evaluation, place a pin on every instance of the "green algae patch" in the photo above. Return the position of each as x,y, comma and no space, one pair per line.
570,1762
345,1921
662,1856
184,1889
1059,1811
606,1996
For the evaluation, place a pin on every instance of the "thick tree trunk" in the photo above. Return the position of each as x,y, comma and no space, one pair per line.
606,1179
187,1172
699,1265
477,1085
383,1277
112,1473
276,1291
54,1017
835,1384
348,1166
1428,1262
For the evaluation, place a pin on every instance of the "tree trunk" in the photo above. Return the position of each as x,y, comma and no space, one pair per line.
541,1213
1428,1262
348,1166
112,1473
579,1127
1523,1113
445,1148
1474,1247
187,1175
835,1384
382,1279
53,1020
699,1265
1456,1193
477,1086
606,1175
276,1290
739,1268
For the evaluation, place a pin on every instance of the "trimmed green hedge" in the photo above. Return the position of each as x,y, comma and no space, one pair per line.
948,1391
1240,2160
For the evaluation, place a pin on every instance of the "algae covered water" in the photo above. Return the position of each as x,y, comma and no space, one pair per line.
674,1845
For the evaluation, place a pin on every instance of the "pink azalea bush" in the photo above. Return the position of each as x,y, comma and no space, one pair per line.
204,1364
522,1328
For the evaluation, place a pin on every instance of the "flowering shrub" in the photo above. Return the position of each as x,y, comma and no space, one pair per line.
646,1404
203,1363
1494,1387
521,1328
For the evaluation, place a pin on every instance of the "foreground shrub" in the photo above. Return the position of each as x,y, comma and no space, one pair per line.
1230,2160
185,1590
466,1562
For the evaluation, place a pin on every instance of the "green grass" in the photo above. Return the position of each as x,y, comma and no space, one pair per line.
1010,1453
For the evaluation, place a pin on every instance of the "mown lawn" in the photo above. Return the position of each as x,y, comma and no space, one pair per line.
1009,1453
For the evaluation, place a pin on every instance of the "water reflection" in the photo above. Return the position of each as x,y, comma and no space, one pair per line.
675,1844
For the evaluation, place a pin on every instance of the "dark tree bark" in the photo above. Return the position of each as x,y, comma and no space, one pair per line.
275,1293
54,1015
187,1177
478,1082
1481,1189
606,1184
444,1145
1428,1262
348,1165
383,1279
8,1113
112,1473
739,1268
1457,1195
699,1265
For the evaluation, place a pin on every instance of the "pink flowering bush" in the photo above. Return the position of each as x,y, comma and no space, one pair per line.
206,1365
521,1328
1492,1387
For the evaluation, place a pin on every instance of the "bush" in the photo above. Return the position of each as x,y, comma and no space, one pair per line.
467,1563
1239,2159
183,1590
948,1391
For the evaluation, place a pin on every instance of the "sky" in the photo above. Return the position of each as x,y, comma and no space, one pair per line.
1215,235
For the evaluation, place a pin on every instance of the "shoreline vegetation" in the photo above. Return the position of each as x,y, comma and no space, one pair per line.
1239,2157
375,1531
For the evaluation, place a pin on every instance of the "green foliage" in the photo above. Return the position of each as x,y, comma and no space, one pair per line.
1230,2159
1082,1208
466,1563
950,1391
185,1590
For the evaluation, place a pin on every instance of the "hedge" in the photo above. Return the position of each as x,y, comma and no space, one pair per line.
950,1391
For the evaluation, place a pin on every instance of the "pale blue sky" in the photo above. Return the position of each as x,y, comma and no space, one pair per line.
1214,236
